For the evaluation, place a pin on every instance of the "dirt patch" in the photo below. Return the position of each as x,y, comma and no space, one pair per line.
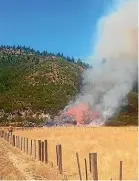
7,169
15,165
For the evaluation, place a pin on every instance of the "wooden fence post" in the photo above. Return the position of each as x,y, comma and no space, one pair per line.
86,174
42,151
21,143
27,145
39,150
1,134
19,140
59,150
30,147
94,166
46,151
24,145
90,165
8,137
78,164
13,140
56,155
120,175
34,149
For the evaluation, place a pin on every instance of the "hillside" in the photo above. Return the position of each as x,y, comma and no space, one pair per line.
35,82
35,85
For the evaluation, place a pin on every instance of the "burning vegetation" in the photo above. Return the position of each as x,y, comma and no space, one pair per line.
106,87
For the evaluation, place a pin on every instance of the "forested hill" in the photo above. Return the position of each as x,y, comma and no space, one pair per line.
29,78
34,83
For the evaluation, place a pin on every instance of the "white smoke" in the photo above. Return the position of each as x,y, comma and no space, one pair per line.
108,85
117,33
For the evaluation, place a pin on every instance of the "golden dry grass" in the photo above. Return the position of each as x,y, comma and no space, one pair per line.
112,144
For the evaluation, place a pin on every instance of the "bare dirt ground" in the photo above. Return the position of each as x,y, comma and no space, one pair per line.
112,144
14,165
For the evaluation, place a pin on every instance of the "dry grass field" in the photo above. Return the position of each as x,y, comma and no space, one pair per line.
112,144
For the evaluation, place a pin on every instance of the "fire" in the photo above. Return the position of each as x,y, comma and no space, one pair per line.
82,112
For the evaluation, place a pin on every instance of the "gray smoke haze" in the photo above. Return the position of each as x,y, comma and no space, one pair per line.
107,86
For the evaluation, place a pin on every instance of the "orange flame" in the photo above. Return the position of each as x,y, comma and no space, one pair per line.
81,112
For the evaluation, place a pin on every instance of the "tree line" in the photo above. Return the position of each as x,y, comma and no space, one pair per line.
45,53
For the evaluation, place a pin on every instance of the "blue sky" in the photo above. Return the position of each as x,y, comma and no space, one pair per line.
66,26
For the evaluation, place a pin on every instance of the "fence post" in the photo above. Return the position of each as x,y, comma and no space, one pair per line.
8,137
46,151
59,149
17,141
35,149
19,138
21,143
2,133
30,147
78,163
39,150
120,175
42,153
24,145
57,155
5,135
27,145
13,140
86,174
90,165
94,166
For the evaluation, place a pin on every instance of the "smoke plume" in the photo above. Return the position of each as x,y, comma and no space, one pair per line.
105,87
